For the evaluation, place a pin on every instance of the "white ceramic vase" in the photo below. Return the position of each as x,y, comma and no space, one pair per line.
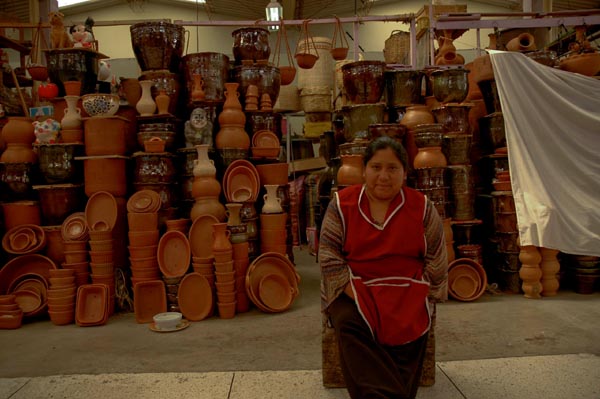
204,166
72,114
146,105
272,202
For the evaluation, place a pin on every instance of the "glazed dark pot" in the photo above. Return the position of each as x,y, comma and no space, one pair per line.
73,64
364,81
454,117
266,77
491,98
158,45
257,121
450,85
357,119
214,70
491,131
18,177
392,130
57,201
154,168
57,163
251,44
403,87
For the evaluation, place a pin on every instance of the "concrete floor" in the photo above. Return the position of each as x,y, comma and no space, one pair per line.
501,338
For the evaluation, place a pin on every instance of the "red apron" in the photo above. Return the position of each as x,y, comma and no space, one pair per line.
386,264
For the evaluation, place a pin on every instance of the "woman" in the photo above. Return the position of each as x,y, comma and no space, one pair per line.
383,258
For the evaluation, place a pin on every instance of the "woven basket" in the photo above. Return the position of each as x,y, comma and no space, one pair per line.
316,99
322,73
397,48
288,99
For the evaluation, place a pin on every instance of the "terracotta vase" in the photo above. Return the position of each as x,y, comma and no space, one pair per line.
72,114
18,153
204,166
530,271
232,113
208,206
162,102
146,105
232,95
430,157
351,171
18,129
72,88
272,202
233,214
21,212
221,235
550,268
105,136
198,88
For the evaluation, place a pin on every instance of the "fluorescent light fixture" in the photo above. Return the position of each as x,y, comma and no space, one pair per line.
274,12
66,3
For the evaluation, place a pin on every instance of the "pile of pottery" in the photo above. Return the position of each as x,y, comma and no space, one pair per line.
11,315
142,218
18,162
75,235
93,304
224,271
238,235
467,280
62,296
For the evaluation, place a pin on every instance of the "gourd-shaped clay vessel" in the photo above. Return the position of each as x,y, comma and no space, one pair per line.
550,268
18,134
208,206
430,157
351,171
72,114
232,120
530,271
146,105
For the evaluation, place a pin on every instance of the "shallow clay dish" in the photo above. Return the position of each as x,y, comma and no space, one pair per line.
144,201
246,164
265,138
265,264
174,254
195,297
182,325
74,228
35,234
241,177
200,236
149,298
101,211
275,292
28,301
31,263
92,305
464,271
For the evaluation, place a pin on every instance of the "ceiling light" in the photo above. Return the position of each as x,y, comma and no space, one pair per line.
274,12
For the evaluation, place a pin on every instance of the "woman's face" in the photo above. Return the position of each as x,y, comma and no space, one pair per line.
384,175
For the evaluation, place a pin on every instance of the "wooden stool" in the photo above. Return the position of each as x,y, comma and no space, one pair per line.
332,371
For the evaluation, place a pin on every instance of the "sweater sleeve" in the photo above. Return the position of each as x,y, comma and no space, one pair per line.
334,269
436,258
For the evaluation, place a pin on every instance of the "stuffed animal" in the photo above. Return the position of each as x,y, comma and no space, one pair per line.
81,37
59,38
46,131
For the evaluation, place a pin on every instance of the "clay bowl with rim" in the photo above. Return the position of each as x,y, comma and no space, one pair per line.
9,308
228,286
76,256
241,185
30,281
142,252
224,267
62,282
61,301
29,301
195,297
274,173
479,274
149,299
200,236
104,245
61,273
101,207
203,260
265,139
78,267
11,322
270,263
31,263
75,246
205,270
249,169
102,269
61,308
144,201
61,292
463,282
226,310
7,299
144,262
182,225
35,234
174,254
224,277
100,235
92,304
142,221
101,256
223,256
15,312
149,273
62,318
20,241
265,152
275,292
143,238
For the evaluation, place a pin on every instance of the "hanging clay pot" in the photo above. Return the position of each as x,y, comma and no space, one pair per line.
146,105
307,57
162,102
341,52
287,73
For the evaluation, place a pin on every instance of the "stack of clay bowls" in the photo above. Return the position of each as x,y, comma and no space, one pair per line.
101,215
61,296
241,261
31,293
11,315
200,238
273,223
75,235
225,274
24,239
142,216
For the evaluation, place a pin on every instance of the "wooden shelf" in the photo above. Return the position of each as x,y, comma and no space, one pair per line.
5,42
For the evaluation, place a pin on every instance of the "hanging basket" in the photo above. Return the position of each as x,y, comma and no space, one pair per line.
307,58
287,73
339,53
36,70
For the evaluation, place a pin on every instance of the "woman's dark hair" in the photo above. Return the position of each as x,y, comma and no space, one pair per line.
383,142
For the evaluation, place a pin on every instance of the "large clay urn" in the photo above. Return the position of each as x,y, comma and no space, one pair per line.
206,186
351,171
18,134
415,115
430,157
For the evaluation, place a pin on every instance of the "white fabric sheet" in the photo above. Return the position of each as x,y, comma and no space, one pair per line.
552,120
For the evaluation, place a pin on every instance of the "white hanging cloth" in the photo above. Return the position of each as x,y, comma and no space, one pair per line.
552,121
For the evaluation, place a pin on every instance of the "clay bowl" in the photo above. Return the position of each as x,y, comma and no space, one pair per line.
77,267
32,236
100,234
143,238
20,241
226,310
61,292
76,256
61,301
182,225
75,245
225,297
275,173
10,321
7,299
101,207
275,292
144,263
9,308
174,254
99,246
200,236
100,104
203,260
28,301
144,201
476,277
224,267
142,252
227,286
223,277
102,269
62,282
265,152
223,256
101,256
74,227
92,304
265,139
195,297
61,273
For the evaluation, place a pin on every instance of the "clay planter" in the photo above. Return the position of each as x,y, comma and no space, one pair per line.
158,45
58,201
105,173
364,81
54,244
450,85
430,157
392,130
166,192
358,118
18,129
214,69
403,87
105,136
266,77
454,117
275,173
142,221
21,212
57,162
251,44
457,148
351,171
74,64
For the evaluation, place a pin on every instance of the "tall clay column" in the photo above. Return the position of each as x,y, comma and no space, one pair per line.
530,271
550,268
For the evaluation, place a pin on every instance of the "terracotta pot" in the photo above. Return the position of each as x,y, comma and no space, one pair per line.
17,153
197,92
166,192
417,115
210,206
275,173
105,173
58,164
403,87
523,42
288,74
21,212
213,68
58,201
162,102
142,221
450,85
232,137
206,187
351,171
18,130
203,166
430,157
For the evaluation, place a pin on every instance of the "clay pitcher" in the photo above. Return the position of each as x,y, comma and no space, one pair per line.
221,235
233,214
72,114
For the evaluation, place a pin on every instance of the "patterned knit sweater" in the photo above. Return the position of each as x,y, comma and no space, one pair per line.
334,269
